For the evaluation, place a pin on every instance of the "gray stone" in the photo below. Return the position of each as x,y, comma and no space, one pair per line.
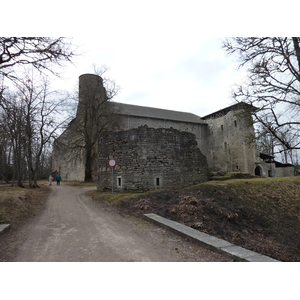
238,251
158,158
209,241
4,227
222,173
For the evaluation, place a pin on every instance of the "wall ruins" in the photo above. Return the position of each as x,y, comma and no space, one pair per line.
149,159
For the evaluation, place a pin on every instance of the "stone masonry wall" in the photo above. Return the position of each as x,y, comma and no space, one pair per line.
230,142
129,122
149,159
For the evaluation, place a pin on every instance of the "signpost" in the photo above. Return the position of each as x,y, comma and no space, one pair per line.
112,164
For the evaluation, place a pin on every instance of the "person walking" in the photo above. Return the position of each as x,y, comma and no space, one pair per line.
50,179
58,179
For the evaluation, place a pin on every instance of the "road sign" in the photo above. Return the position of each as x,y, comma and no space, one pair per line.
112,163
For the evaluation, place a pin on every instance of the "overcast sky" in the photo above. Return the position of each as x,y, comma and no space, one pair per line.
176,72
164,54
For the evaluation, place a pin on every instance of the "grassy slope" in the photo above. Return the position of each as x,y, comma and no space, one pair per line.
261,214
18,204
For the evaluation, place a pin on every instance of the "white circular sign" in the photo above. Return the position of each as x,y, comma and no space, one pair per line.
112,162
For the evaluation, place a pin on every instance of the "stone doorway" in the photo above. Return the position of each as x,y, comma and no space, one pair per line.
258,171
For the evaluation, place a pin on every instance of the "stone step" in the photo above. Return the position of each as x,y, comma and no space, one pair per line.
4,227
209,241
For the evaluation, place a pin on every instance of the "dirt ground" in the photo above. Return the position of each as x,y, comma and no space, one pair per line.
18,207
71,227
262,215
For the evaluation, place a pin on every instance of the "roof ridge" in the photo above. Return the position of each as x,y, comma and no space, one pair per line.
160,113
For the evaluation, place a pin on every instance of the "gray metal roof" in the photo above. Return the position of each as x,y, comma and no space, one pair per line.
157,113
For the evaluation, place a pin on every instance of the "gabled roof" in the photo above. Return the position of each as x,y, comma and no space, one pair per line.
265,156
157,113
224,111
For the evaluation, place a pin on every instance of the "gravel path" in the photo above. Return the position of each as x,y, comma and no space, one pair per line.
74,228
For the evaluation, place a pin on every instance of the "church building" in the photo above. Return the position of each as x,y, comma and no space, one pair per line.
156,148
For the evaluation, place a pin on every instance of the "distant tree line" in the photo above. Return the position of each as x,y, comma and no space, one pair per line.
28,106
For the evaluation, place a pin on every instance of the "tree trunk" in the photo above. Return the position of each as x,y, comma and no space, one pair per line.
88,166
17,167
35,177
297,50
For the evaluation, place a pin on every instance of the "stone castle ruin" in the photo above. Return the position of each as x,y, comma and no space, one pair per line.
156,148
151,158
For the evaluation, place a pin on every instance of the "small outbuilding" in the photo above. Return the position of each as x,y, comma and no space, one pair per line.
269,167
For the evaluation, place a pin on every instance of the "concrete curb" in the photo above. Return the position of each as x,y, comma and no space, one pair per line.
4,227
211,242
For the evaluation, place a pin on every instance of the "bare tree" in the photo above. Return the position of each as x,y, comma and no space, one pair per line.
111,87
42,53
5,150
31,116
28,113
273,84
13,127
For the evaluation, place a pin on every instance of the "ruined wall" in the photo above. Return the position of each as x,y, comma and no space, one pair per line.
230,142
149,159
129,122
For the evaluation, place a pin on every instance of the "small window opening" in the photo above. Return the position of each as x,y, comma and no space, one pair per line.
235,124
119,181
222,127
157,181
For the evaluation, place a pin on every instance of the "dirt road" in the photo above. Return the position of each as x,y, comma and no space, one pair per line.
74,228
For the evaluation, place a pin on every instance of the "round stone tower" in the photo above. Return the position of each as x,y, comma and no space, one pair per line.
91,92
